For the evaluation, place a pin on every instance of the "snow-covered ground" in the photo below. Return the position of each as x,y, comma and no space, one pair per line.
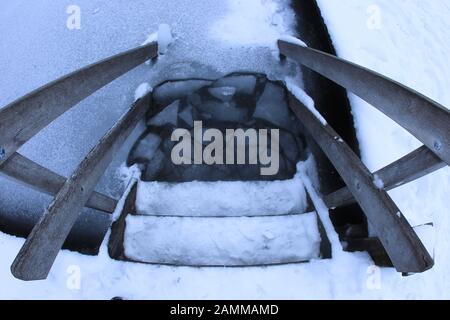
410,43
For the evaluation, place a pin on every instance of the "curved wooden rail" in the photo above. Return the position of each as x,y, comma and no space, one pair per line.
24,118
42,179
427,120
37,255
414,165
405,249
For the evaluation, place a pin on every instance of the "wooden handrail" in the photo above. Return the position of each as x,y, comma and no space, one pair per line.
42,179
413,166
403,246
24,118
37,255
427,120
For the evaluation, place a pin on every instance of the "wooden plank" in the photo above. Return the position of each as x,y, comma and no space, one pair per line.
117,236
37,255
413,166
427,120
44,180
24,118
405,249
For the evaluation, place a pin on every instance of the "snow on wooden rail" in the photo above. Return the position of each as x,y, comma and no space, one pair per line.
427,120
403,246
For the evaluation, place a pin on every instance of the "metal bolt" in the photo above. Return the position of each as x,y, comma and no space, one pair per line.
437,145
2,153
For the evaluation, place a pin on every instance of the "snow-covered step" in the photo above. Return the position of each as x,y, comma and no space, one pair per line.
215,199
232,241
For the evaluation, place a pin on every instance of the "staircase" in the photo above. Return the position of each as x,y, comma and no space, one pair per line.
193,229
158,224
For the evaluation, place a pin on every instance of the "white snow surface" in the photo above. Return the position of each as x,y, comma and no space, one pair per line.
254,22
409,42
293,86
222,241
163,36
142,90
223,198
293,40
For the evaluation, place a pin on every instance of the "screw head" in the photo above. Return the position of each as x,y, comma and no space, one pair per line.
437,145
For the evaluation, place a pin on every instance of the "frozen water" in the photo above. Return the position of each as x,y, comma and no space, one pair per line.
244,84
186,116
167,116
145,149
224,111
272,107
289,146
222,241
201,105
306,100
173,90
225,94
154,166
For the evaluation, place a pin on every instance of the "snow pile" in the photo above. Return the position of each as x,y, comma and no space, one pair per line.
222,241
142,90
163,37
236,198
303,97
293,40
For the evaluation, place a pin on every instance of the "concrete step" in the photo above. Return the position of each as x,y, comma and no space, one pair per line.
222,198
230,241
